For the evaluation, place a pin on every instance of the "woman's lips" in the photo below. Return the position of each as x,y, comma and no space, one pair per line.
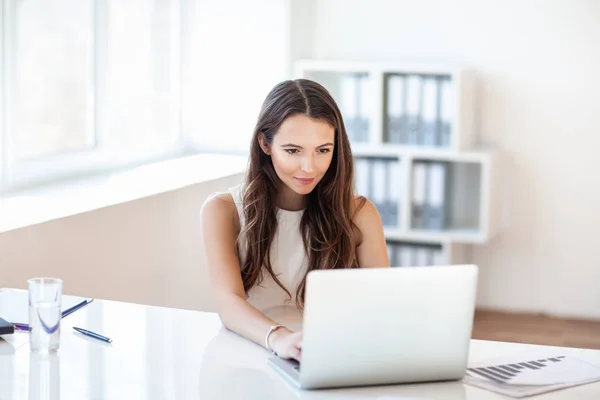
305,181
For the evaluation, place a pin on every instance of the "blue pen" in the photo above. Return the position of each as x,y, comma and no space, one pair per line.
25,327
76,307
93,335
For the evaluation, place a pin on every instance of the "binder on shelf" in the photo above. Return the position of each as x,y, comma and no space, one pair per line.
364,100
362,177
446,112
422,256
438,257
387,204
413,109
409,254
395,185
435,210
370,178
391,255
396,108
419,174
349,103
406,256
429,123
431,256
379,189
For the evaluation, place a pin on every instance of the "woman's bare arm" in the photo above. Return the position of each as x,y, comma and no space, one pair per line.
220,227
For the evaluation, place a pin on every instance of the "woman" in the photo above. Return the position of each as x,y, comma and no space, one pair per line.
295,212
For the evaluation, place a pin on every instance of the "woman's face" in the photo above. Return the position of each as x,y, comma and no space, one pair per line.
301,152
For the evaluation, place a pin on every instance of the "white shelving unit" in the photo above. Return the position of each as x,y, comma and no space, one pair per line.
405,120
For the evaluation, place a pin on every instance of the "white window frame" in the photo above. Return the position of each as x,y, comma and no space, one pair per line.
17,174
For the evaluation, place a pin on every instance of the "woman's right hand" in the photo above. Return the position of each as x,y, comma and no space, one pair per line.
286,344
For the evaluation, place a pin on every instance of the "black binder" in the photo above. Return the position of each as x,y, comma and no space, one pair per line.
6,328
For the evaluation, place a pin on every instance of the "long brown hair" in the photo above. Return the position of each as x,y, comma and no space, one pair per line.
329,234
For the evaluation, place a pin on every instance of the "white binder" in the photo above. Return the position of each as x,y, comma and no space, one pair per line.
365,102
349,103
438,257
379,189
422,253
435,210
362,177
428,133
406,256
413,108
391,250
418,195
446,112
395,189
395,109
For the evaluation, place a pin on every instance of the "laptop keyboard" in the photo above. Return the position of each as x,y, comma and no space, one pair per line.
296,364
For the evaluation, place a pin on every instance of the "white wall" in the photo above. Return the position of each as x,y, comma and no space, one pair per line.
145,251
538,64
234,52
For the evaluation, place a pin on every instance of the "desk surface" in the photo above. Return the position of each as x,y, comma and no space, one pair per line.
161,353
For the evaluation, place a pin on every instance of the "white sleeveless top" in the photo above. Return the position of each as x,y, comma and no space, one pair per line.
288,260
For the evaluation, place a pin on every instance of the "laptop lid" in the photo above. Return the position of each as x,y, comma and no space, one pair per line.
387,325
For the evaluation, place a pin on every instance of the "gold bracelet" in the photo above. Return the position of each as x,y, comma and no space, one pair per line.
271,330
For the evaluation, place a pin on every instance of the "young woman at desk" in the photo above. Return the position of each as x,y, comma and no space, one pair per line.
295,212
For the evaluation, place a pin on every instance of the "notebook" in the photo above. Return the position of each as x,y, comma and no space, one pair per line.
6,328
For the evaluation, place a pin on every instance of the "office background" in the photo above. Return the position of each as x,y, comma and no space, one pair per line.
536,64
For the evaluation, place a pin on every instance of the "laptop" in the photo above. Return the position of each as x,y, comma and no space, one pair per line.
376,326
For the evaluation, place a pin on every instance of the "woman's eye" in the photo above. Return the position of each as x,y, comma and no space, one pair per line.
324,151
291,151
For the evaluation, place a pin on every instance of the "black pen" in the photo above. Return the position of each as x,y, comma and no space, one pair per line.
93,335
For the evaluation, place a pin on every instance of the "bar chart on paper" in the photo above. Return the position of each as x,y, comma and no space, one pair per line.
531,373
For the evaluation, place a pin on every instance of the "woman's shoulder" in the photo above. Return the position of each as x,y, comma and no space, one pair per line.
219,206
364,211
220,198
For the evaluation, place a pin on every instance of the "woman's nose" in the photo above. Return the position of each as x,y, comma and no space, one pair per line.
307,164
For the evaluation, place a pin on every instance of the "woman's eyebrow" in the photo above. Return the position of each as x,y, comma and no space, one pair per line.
326,144
299,147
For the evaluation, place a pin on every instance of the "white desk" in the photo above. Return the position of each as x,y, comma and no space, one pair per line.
161,353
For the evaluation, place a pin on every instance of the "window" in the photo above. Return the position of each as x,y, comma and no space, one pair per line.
94,85
89,85
50,65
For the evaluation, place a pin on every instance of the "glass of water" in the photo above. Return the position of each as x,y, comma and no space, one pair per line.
44,314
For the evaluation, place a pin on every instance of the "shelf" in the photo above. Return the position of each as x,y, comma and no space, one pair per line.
391,150
433,237
411,128
302,66
433,194
416,99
